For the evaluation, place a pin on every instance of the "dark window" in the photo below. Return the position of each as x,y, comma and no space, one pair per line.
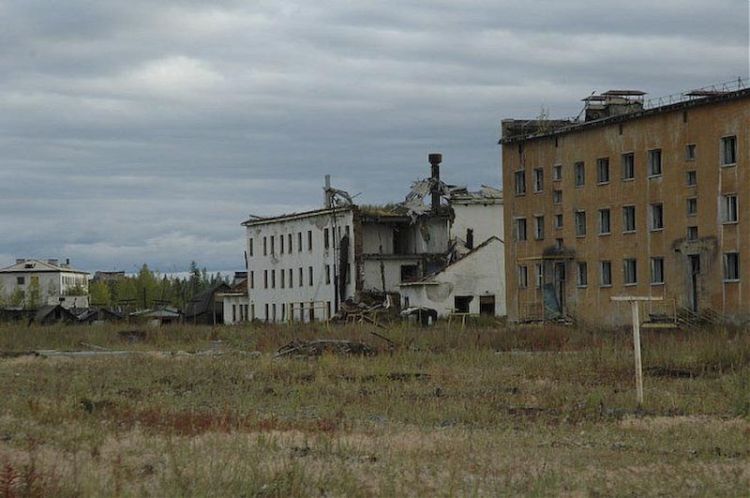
523,277
301,278
521,229
558,221
557,172
273,250
520,182
462,303
728,150
630,273
729,208
250,247
690,152
605,273
409,273
731,266
328,274
299,241
657,270
265,246
580,223
469,238
657,216
628,166
273,279
654,162
580,174
252,280
309,240
602,170
311,279
291,278
583,274
692,206
692,178
539,228
692,233
605,225
281,244
538,180
557,196
20,280
265,279
628,218
326,240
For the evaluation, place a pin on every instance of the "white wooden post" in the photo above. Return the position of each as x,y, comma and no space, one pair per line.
635,309
634,305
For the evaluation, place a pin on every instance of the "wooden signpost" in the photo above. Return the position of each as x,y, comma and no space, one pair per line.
635,308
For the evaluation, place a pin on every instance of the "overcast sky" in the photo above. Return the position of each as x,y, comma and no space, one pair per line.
146,131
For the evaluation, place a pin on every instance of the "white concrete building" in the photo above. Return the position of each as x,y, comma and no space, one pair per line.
301,266
473,284
32,282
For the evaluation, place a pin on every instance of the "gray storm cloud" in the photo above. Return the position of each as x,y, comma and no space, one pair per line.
143,131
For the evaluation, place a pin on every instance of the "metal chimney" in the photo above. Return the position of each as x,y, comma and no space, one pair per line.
435,160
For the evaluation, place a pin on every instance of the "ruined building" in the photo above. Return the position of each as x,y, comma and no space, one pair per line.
302,266
632,199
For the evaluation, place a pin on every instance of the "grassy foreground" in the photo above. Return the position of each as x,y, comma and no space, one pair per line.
486,411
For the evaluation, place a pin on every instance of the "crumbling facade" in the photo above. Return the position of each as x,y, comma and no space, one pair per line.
303,266
630,201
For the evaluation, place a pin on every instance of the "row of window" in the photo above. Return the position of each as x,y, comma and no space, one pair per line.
295,311
269,277
285,242
627,167
731,271
729,214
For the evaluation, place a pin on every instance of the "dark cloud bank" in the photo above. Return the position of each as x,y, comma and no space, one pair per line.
147,131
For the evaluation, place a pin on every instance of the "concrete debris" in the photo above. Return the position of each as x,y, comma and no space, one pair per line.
318,347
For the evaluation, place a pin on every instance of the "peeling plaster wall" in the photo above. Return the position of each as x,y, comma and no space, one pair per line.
317,258
486,220
391,270
237,302
481,273
671,131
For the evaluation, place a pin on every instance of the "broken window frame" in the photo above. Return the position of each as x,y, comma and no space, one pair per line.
629,224
691,204
557,173
520,229
557,196
605,273
582,274
627,165
523,276
580,223
519,182
539,227
539,275
690,150
602,171
559,221
729,150
691,178
605,221
729,209
579,174
731,263
655,163
538,180
629,271
656,218
657,270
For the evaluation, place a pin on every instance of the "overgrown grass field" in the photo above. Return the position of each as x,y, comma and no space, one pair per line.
485,411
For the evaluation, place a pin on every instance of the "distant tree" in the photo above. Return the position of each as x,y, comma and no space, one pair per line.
33,294
100,293
17,297
76,290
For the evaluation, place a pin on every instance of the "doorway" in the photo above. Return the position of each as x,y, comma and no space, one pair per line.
559,283
487,305
695,270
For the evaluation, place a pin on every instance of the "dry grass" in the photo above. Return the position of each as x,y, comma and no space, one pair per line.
497,411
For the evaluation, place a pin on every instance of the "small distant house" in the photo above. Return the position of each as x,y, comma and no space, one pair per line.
100,315
160,316
35,283
207,307
473,284
236,305
53,313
